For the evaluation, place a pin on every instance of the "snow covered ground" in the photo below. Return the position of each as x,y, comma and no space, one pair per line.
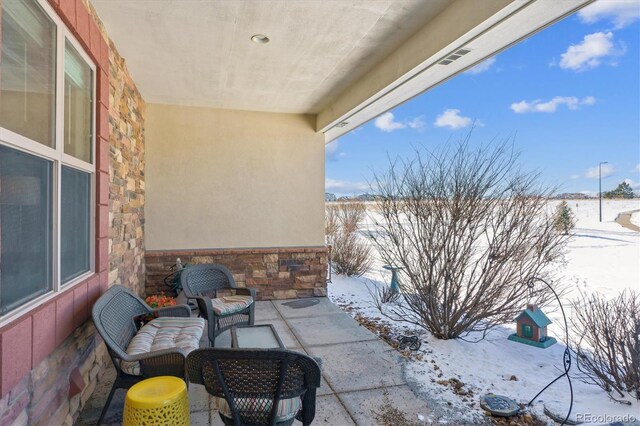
602,257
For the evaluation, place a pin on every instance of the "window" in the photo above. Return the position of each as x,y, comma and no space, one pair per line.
527,330
27,81
77,105
75,223
47,90
25,227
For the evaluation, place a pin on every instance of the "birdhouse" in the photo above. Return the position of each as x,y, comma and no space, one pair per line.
531,328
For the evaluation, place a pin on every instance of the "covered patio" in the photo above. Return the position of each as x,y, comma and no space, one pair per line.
146,131
361,376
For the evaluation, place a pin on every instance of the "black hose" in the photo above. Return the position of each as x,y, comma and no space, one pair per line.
566,358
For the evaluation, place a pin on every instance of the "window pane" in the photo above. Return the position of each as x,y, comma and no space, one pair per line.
27,71
78,85
25,227
75,222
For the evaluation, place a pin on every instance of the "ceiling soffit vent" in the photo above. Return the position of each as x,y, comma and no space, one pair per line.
455,55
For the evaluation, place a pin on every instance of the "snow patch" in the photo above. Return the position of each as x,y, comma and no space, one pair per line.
602,257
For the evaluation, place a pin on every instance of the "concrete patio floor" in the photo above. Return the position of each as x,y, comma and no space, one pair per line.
358,368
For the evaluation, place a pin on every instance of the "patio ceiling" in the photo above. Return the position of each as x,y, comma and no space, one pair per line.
200,53
345,61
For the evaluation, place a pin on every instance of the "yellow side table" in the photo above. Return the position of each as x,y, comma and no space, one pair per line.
157,401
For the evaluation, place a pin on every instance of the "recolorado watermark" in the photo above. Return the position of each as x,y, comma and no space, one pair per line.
605,418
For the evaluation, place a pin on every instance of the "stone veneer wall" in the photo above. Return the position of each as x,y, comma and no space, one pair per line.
276,273
42,397
44,351
126,178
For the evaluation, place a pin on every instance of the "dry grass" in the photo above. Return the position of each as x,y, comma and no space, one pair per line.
389,415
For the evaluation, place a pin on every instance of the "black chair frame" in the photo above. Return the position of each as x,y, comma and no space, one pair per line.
203,283
114,315
267,375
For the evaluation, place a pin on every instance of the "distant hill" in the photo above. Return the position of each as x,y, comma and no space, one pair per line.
572,196
361,197
328,197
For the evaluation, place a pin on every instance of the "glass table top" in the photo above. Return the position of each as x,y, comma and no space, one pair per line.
257,336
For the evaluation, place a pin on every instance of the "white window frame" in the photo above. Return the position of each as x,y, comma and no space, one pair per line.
59,158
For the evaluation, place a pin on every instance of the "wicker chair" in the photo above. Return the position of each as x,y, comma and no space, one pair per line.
113,315
204,283
257,386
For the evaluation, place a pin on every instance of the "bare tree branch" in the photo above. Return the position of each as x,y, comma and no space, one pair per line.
470,229
608,344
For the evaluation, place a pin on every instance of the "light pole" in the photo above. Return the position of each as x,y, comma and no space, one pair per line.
600,185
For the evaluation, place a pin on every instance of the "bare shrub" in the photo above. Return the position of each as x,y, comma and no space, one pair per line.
470,230
608,341
382,295
350,254
331,221
351,215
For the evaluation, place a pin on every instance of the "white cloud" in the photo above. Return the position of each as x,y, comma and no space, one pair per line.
482,66
387,124
331,152
620,12
634,185
416,122
637,168
537,105
344,186
331,148
593,172
591,52
452,119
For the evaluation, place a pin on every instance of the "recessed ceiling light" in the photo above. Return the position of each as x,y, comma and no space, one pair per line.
260,39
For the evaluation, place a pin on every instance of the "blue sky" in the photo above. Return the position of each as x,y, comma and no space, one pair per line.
570,95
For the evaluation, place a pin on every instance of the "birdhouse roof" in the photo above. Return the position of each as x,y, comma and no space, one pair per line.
537,316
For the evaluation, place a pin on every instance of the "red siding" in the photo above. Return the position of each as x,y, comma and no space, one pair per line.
102,219
80,304
103,189
65,323
15,353
103,87
28,340
44,333
102,152
93,291
67,11
82,22
94,41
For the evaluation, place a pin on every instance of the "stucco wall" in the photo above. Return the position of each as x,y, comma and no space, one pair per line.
232,179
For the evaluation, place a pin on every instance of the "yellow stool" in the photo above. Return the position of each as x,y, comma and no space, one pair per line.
157,401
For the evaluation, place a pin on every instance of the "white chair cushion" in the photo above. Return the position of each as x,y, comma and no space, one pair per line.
287,408
228,305
164,333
